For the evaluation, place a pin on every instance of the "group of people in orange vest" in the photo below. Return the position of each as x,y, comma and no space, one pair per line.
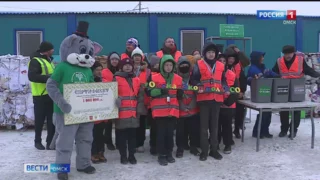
153,89
166,105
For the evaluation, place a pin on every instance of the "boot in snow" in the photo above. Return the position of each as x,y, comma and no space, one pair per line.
294,134
179,153
227,150
101,157
162,159
124,160
215,154
39,146
49,148
236,133
170,158
194,151
203,157
88,170
95,159
62,176
132,159
282,134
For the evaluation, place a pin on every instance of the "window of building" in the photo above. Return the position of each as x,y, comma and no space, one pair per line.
191,40
28,42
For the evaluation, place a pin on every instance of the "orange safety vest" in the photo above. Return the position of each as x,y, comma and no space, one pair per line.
176,57
106,75
128,96
294,72
143,76
237,70
187,100
210,80
230,77
165,105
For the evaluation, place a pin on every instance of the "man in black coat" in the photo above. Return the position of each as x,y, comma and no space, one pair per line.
40,69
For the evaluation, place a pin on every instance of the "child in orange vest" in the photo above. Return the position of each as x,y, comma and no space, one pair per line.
154,66
97,150
188,122
142,72
128,121
227,109
165,107
107,76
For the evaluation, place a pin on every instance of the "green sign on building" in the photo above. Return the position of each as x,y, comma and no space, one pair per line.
231,31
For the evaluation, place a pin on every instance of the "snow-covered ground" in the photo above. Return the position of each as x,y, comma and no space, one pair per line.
278,159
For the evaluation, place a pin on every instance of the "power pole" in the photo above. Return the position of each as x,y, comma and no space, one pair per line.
139,8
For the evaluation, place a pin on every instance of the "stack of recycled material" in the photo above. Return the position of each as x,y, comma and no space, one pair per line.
16,105
313,84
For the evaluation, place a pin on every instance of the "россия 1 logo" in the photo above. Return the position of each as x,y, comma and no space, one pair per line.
288,17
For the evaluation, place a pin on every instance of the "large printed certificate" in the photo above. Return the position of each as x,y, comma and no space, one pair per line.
90,102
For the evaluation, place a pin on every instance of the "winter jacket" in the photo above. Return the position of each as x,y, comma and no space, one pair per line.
257,68
307,70
142,109
185,81
35,70
132,122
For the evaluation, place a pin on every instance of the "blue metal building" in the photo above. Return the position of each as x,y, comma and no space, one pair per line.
22,32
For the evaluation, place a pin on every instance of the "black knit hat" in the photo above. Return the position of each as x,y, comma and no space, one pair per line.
288,49
209,46
124,62
82,29
222,56
45,46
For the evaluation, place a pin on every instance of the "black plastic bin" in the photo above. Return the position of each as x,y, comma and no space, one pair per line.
261,90
297,91
280,90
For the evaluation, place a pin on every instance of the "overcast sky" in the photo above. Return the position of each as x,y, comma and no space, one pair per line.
302,8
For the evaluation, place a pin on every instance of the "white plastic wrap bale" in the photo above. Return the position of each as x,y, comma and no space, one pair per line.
14,73
2,119
18,110
17,106
29,114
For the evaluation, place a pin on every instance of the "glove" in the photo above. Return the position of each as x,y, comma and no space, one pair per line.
164,91
179,94
230,100
65,107
118,102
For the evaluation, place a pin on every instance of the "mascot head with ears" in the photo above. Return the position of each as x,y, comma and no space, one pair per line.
77,49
